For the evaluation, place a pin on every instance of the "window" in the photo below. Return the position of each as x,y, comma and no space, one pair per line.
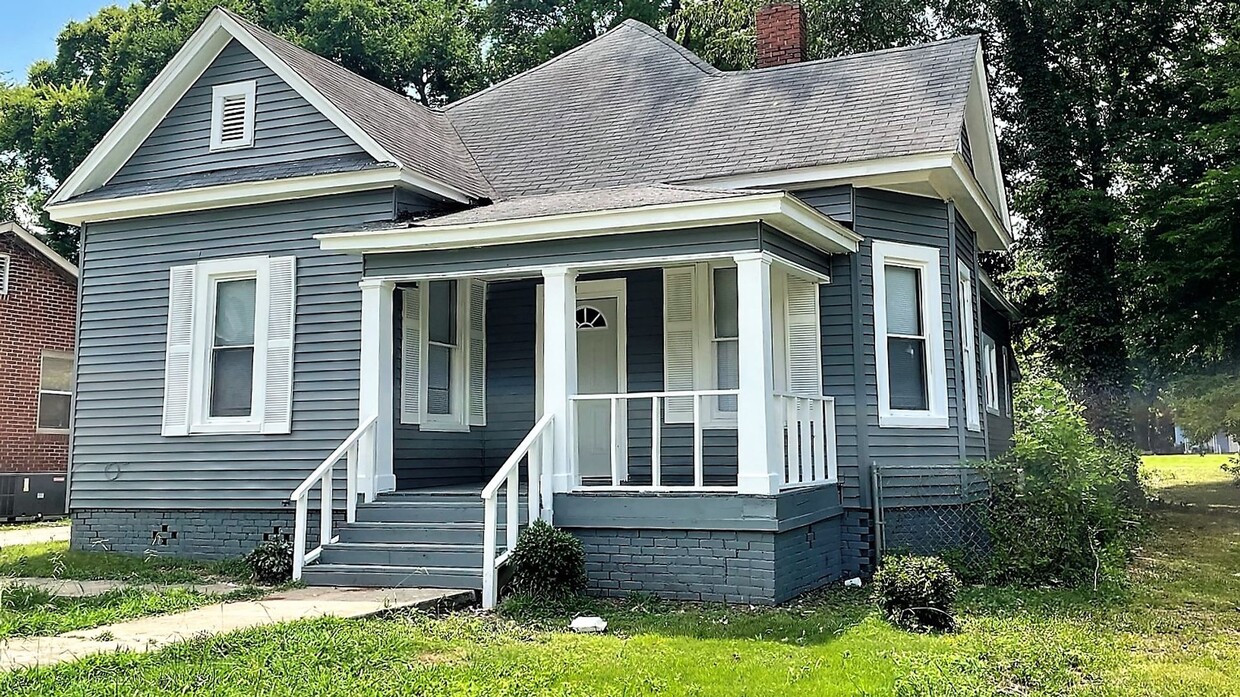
229,364
908,329
443,356
725,339
232,116
990,373
4,274
1006,377
55,392
968,347
590,318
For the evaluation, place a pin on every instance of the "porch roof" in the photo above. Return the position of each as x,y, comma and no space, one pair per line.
611,210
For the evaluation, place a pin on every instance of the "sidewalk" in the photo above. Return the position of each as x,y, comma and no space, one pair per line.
67,588
151,633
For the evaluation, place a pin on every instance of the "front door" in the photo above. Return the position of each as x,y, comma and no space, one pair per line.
598,357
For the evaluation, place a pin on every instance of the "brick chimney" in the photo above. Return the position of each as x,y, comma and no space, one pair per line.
781,34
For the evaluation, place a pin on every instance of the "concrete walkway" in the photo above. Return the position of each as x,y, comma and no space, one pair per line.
34,534
151,633
81,589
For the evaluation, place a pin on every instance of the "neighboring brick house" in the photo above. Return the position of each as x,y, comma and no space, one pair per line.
38,307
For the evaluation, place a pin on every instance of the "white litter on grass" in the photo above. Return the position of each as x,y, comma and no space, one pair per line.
853,582
589,625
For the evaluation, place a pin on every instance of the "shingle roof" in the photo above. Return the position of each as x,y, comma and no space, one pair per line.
421,138
562,203
633,106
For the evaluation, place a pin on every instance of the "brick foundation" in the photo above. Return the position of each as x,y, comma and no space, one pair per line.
199,534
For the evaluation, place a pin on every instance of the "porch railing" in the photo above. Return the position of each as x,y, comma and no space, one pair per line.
809,439
619,410
360,442
509,476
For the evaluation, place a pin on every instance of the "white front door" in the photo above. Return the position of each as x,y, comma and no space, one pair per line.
598,357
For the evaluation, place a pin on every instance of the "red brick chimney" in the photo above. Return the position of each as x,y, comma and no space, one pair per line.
781,34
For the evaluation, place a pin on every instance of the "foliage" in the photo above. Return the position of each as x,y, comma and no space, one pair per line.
1066,507
1232,468
271,563
917,592
548,562
1207,404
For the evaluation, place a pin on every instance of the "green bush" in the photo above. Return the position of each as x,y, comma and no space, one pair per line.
548,563
1232,467
1066,508
271,563
917,592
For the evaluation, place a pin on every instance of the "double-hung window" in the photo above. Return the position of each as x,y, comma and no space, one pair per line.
908,330
443,355
229,360
725,339
968,347
55,392
990,373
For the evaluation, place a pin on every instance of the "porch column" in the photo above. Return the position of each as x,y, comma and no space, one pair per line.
759,452
560,369
375,390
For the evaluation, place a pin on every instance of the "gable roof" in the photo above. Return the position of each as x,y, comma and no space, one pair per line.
39,247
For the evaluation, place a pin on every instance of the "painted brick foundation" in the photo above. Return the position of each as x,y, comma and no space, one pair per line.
200,534
857,543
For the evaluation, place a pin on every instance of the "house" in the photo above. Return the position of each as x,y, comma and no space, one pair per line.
678,312
38,307
1221,443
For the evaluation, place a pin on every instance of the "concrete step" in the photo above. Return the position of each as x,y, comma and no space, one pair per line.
429,511
416,533
380,576
412,555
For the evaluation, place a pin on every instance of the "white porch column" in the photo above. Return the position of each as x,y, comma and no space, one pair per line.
560,369
375,391
760,456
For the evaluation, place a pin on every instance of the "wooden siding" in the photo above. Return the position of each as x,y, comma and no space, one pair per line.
966,250
286,127
835,201
120,460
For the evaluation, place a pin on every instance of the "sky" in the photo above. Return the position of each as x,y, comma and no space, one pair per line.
28,30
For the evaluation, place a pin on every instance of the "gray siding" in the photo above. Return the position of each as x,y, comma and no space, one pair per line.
286,128
966,250
835,201
839,372
120,460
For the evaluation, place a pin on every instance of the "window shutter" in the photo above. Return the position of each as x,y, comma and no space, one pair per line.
804,338
4,274
281,309
477,353
179,351
678,341
411,356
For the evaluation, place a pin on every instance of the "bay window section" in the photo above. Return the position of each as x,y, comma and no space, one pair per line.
908,330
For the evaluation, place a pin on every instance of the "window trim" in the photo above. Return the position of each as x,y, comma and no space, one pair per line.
990,374
64,355
207,275
219,93
457,419
706,377
968,347
6,268
927,261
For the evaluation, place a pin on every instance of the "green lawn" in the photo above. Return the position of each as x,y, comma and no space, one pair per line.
56,560
1175,630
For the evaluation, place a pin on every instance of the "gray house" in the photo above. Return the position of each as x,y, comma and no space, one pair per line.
679,312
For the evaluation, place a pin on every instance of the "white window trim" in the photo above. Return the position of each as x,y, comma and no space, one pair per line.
926,261
990,373
6,266
64,355
707,371
247,89
457,420
206,276
968,348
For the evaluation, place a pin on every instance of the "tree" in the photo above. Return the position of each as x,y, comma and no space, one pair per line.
1206,405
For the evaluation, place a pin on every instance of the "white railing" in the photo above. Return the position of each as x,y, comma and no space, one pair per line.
808,439
619,406
509,475
359,450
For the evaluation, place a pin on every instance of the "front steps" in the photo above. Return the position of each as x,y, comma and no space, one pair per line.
412,539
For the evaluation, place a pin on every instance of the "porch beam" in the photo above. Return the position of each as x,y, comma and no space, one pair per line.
560,371
759,451
375,389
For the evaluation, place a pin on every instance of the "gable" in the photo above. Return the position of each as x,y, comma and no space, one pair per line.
287,128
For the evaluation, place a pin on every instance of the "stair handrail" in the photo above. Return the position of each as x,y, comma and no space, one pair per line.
360,442
509,475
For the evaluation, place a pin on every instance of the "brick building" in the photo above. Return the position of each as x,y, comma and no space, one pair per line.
38,307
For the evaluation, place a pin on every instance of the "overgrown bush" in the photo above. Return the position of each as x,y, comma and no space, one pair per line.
1066,507
271,563
917,592
548,562
1232,467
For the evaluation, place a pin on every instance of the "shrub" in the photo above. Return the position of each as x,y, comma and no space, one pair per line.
548,563
1066,508
917,592
271,563
1232,467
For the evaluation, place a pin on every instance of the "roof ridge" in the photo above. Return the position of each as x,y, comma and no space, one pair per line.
692,58
865,54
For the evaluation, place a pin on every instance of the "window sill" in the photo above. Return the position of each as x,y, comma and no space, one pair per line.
911,420
974,428
212,429
51,431
993,412
444,427
228,148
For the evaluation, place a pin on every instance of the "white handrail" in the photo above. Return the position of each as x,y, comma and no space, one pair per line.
360,442
808,439
509,475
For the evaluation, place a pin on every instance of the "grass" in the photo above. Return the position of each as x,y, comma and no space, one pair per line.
56,560
1174,629
51,523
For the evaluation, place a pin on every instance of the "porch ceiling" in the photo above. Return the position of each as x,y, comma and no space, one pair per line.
603,212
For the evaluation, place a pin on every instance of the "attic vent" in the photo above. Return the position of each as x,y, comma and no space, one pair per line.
232,116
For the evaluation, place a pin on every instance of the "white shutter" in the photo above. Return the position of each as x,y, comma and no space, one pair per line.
179,351
477,353
281,309
804,337
678,341
411,356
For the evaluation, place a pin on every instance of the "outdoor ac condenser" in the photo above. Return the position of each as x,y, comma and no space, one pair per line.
31,496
